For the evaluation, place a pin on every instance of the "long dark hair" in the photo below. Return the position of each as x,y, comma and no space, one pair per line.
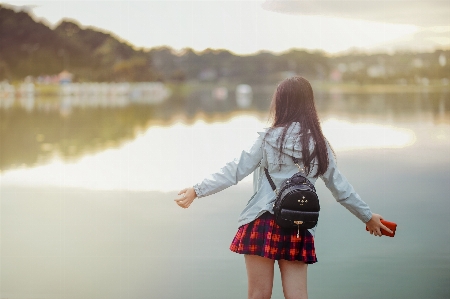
293,101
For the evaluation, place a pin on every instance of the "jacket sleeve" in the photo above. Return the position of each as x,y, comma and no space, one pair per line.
343,191
233,171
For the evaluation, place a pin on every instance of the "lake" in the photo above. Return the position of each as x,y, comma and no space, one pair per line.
87,195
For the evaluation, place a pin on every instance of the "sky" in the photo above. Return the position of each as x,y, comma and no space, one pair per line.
247,27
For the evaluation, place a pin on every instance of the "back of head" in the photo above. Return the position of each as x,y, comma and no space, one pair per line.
293,101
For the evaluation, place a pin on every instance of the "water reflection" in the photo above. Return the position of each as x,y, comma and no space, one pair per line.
30,138
33,132
187,152
344,135
150,161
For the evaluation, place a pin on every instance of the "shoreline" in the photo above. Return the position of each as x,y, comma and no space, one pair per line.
183,89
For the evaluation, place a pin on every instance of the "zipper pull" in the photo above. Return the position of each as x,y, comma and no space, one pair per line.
298,227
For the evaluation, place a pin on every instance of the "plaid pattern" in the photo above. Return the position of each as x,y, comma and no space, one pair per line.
265,238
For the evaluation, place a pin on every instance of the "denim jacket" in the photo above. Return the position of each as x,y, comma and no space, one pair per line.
265,153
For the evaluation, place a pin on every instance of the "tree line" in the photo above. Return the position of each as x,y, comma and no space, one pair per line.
30,48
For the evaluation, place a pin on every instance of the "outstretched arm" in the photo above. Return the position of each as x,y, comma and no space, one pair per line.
345,194
343,191
227,176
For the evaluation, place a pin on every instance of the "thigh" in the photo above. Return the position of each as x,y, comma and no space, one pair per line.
293,279
260,276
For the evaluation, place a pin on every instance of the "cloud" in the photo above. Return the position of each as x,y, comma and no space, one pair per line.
422,13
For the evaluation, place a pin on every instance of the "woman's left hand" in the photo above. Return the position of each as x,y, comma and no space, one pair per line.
187,197
375,226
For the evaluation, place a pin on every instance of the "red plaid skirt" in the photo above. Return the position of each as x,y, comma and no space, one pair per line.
265,238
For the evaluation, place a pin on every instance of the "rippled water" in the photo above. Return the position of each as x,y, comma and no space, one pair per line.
87,199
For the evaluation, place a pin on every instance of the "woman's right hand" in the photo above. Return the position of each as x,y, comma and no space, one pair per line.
187,196
375,226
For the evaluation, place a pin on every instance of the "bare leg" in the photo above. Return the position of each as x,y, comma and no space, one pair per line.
293,279
260,276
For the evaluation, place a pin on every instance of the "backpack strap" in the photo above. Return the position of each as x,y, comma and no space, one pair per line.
269,178
296,163
272,184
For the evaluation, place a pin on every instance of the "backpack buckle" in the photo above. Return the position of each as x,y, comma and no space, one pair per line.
299,168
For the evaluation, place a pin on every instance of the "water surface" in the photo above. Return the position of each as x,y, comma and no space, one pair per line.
90,213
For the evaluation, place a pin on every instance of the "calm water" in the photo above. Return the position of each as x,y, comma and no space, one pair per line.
87,195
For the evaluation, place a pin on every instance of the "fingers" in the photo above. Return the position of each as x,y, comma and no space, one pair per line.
375,232
186,198
374,229
378,232
386,228
183,202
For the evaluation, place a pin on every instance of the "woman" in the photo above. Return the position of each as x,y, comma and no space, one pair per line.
295,132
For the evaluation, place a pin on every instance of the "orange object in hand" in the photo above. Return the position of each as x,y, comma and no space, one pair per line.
391,225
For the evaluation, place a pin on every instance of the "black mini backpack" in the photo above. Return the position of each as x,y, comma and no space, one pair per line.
297,204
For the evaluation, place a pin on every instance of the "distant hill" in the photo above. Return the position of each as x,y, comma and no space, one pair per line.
31,48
